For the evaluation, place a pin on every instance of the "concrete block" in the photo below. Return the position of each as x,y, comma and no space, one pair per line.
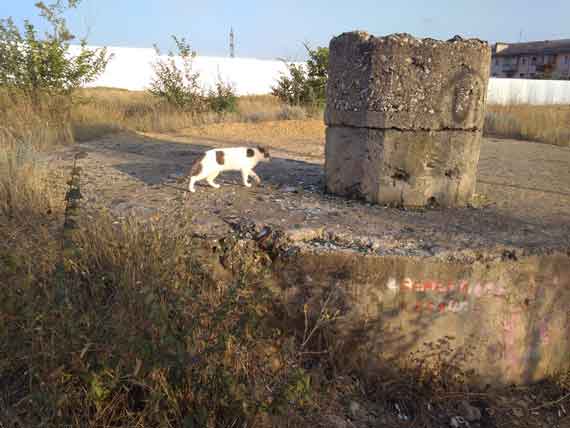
505,320
400,82
411,169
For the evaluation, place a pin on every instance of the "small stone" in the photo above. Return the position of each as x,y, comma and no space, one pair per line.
335,421
289,189
519,413
354,408
469,412
459,422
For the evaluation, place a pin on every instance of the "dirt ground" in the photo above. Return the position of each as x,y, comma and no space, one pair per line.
524,188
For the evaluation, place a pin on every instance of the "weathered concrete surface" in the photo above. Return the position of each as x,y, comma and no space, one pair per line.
506,320
405,118
405,83
402,168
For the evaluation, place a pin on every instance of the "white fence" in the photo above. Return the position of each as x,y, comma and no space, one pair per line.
525,91
131,68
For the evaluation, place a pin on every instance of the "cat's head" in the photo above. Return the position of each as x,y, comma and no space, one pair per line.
264,153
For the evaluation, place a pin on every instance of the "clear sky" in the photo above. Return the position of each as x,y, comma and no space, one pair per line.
272,29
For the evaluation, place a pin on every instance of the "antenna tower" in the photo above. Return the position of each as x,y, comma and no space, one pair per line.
232,44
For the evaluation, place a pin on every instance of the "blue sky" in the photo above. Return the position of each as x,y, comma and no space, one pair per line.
271,29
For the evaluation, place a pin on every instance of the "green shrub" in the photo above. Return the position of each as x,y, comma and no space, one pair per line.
223,98
178,85
36,66
305,85
39,70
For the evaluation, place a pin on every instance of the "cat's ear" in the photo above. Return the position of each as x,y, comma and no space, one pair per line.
264,151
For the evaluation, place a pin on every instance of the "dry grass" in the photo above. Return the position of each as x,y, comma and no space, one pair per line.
545,124
263,132
26,188
145,326
101,111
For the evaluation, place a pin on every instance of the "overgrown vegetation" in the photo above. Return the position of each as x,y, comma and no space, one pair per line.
305,85
141,332
103,111
222,99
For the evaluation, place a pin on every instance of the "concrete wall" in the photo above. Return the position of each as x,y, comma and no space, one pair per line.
508,320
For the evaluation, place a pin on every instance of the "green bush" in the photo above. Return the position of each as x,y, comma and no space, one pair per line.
305,85
178,85
223,98
37,66
39,70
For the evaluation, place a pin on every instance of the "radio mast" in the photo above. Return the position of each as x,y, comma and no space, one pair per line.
232,43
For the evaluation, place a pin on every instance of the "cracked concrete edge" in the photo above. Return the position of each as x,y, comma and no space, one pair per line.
322,240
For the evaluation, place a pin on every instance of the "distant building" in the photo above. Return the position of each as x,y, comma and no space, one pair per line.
549,59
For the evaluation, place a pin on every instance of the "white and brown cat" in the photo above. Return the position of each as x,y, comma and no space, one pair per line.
215,161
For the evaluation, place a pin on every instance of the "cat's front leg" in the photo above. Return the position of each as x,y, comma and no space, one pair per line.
211,178
244,175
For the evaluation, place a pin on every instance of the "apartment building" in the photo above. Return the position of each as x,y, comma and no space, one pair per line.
549,59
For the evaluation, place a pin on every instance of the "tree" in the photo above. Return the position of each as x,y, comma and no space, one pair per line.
305,84
317,72
38,66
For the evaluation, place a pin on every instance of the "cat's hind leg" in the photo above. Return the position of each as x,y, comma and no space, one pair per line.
193,180
197,173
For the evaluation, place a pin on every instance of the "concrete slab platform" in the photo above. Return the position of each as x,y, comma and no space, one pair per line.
495,278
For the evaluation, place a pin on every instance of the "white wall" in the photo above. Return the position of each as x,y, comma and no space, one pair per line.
524,91
131,68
